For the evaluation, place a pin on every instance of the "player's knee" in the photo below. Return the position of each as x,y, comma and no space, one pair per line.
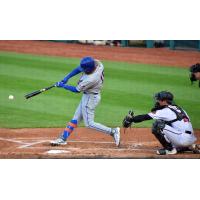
157,127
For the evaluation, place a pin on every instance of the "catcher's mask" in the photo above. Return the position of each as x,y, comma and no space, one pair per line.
194,69
164,95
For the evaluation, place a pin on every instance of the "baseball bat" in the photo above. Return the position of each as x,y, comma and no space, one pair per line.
32,94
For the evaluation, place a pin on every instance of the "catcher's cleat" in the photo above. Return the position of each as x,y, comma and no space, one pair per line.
116,135
166,152
195,148
58,142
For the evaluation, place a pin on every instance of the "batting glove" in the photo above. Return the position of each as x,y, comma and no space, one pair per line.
60,84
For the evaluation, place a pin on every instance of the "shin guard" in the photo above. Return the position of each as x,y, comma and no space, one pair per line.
157,128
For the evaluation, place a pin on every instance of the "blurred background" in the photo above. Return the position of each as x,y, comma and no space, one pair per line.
172,44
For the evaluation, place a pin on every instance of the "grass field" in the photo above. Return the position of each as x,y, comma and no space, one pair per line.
127,86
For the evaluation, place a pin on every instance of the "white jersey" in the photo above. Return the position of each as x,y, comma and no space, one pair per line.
92,83
166,114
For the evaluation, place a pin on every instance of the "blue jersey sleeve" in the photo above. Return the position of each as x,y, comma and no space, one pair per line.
71,88
72,73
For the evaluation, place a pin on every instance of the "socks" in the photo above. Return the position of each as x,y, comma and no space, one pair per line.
68,130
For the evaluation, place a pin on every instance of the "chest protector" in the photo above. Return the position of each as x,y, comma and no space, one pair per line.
179,115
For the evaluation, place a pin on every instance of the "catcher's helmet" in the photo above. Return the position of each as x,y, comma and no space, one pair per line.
87,64
164,95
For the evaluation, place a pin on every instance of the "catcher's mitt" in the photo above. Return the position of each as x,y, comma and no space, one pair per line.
128,119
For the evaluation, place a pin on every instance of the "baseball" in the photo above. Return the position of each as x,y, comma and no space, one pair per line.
11,97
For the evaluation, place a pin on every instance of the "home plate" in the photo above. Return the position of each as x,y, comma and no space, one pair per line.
57,151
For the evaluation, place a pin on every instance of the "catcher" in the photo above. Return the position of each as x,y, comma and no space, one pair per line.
195,73
172,126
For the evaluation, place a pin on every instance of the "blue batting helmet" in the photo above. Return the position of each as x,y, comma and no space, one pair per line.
87,64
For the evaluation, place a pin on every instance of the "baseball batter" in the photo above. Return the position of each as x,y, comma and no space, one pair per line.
172,126
90,84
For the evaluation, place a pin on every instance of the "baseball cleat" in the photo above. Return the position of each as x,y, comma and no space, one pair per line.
166,152
58,142
116,136
195,148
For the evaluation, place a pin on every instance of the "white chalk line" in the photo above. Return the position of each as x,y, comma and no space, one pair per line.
12,140
24,144
30,145
95,149
79,141
74,141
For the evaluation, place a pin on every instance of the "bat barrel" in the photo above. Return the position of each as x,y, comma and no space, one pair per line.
38,92
32,94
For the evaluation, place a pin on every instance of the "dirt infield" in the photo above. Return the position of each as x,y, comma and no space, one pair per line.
160,56
83,143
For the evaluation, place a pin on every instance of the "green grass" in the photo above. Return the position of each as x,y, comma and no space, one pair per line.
127,86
